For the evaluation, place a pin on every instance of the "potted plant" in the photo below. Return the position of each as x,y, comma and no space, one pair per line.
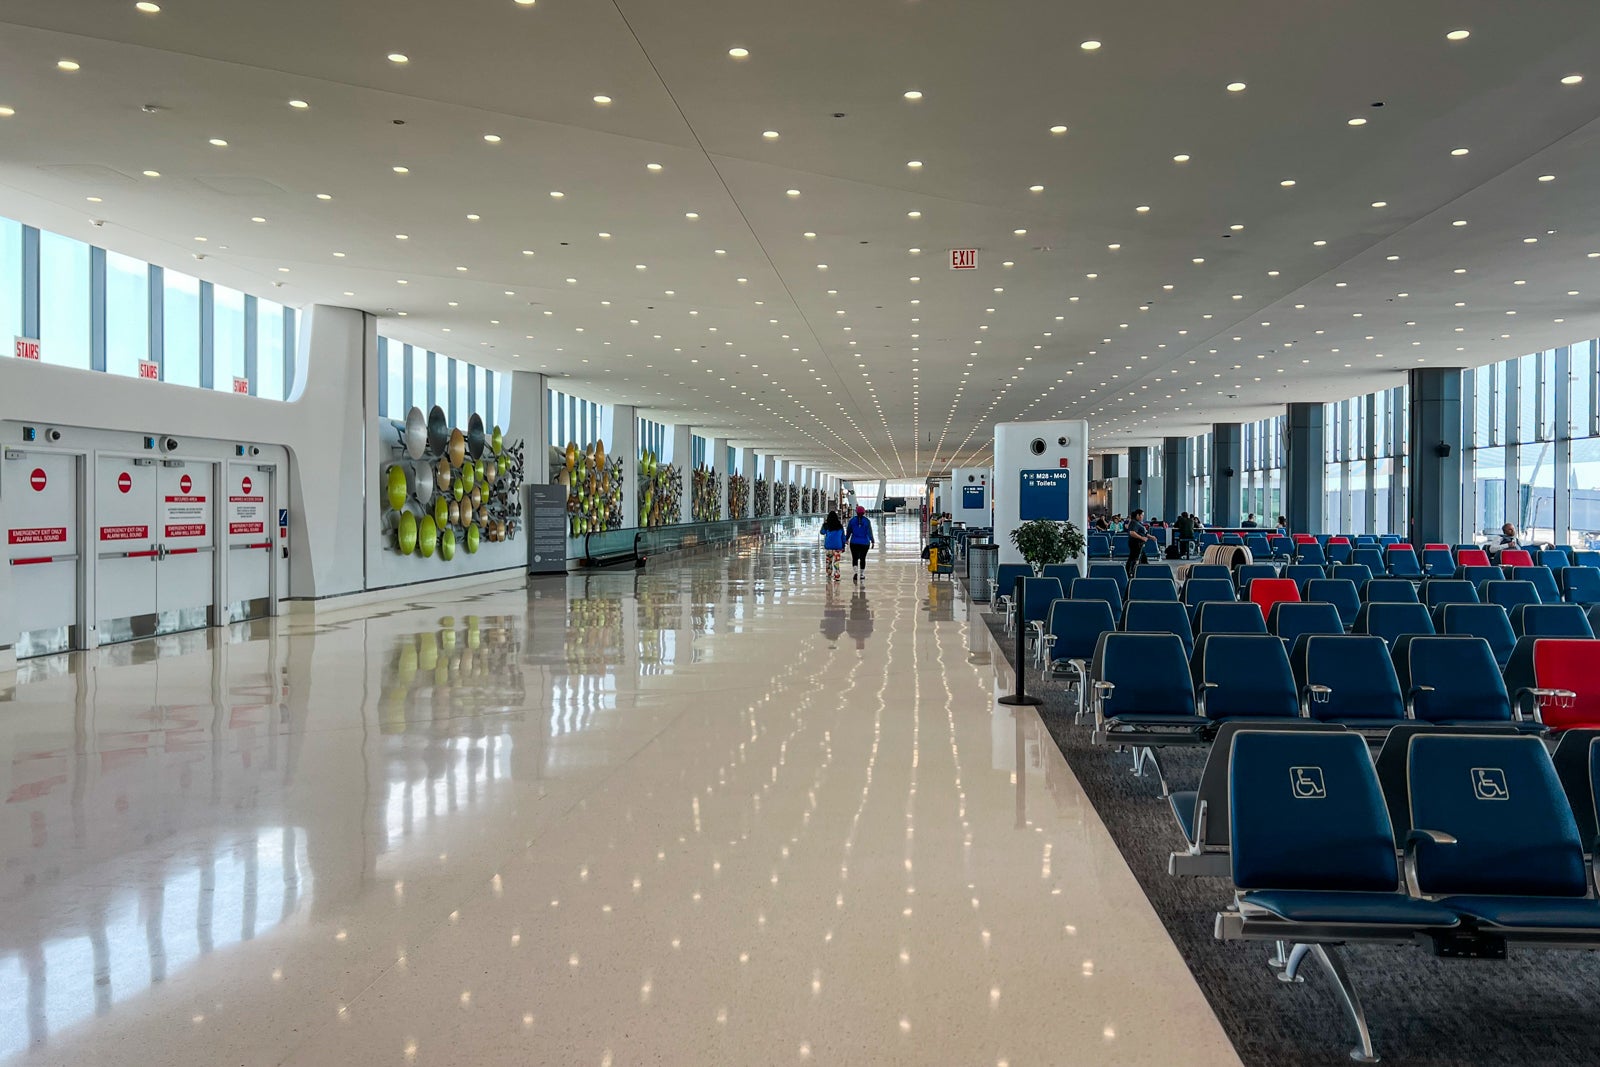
1045,541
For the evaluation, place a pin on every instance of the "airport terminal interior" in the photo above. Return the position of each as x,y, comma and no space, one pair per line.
873,532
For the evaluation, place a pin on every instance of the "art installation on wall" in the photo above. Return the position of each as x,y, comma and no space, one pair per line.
707,495
660,491
763,497
594,487
448,488
738,496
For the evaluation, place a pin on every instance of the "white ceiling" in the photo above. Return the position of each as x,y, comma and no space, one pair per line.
857,368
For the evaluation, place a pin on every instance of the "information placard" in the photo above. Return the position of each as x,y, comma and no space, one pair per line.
972,498
1045,494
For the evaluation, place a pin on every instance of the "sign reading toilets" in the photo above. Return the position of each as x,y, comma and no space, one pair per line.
1045,494
1034,466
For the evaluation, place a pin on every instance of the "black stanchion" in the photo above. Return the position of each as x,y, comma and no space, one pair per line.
1020,697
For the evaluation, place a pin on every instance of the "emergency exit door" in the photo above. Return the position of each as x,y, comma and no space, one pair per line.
43,548
156,546
250,537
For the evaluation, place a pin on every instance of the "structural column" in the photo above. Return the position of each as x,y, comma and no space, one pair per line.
1138,467
769,473
719,464
747,468
683,460
623,438
1434,503
1175,461
1226,457
1303,490
524,411
784,467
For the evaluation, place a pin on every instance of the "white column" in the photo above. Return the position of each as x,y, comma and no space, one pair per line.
769,473
785,469
622,442
683,460
747,467
523,413
719,463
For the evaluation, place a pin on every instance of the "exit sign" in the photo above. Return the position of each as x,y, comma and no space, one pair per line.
149,369
241,385
28,348
963,259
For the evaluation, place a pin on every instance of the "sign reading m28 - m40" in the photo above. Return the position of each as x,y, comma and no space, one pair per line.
1045,494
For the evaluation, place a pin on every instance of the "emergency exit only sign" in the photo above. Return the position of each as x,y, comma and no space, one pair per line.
963,259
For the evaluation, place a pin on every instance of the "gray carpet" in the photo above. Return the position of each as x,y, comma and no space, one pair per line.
1535,1008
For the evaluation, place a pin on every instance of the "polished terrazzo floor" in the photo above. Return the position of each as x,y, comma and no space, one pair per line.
714,812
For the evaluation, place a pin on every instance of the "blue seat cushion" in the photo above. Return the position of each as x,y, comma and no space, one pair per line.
1312,906
1184,804
1545,913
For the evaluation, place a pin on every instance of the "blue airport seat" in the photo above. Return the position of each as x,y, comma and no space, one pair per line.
1338,551
1365,539
1586,558
1229,617
1351,572
1436,591
1210,570
1197,591
1282,546
1577,762
1115,571
1002,586
1258,545
1487,621
1452,681
1438,562
1119,546
1402,561
1071,634
1251,571
1159,617
1349,680
1543,579
1388,539
1098,589
1478,575
1339,592
1370,557
1037,596
1307,552
1143,696
1554,558
1302,573
1098,545
1508,594
1580,585
1233,539
1156,570
1550,620
1390,620
1207,539
1289,621
1152,589
1389,591
1243,676
1065,573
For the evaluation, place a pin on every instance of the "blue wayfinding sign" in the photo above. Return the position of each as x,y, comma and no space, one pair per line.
1045,494
972,498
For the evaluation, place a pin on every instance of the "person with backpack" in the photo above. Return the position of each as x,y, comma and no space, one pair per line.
860,538
833,543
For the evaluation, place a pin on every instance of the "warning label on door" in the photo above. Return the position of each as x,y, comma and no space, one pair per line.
246,527
247,512
184,515
124,533
190,529
39,535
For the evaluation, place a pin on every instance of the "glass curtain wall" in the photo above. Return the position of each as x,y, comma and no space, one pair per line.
1364,463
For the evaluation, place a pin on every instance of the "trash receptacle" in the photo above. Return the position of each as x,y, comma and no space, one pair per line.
983,563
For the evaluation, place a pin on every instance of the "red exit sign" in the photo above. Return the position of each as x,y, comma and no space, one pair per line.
28,348
963,259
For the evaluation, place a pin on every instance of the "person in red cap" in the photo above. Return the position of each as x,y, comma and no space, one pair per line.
859,534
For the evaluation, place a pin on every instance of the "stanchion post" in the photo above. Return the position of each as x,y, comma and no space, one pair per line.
1020,697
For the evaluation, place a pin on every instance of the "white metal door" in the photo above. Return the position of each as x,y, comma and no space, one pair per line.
43,548
251,536
127,542
186,564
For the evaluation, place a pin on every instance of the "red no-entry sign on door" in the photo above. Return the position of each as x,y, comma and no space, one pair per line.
124,482
244,484
185,483
37,479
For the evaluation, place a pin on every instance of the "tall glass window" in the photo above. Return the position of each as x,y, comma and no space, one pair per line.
419,379
269,350
1583,495
127,313
180,323
63,301
10,279
1489,489
461,412
227,337
441,383
1581,371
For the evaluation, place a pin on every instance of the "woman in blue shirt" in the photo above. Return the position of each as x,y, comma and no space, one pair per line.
859,535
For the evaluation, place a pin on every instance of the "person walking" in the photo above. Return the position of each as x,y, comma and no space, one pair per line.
1138,534
833,543
860,537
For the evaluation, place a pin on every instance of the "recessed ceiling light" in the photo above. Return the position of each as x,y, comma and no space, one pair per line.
218,142
397,170
7,112
1459,151
739,53
771,135
67,65
1287,183
525,3
1458,35
398,58
492,138
1459,222
652,167
299,105
1019,233
1547,177
1380,203
324,196
147,7
556,194
402,237
1035,188
913,214
94,199
1090,46
602,100
691,214
1572,79
791,192
913,94
257,218
914,164
1058,130
1181,157
152,174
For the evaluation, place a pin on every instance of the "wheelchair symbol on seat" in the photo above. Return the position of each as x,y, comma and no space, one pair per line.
1307,783
1489,783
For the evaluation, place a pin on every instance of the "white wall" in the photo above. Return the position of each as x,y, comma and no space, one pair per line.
1013,454
961,477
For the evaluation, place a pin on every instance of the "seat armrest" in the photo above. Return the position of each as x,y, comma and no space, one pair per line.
1536,699
1200,697
1102,693
1201,810
1048,639
1413,839
1411,699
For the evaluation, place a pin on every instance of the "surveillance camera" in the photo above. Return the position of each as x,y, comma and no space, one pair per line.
255,450
1038,446
52,434
97,223
1063,441
169,444
199,255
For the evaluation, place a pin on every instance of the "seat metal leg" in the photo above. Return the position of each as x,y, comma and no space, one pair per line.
1331,963
1290,963
1280,957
